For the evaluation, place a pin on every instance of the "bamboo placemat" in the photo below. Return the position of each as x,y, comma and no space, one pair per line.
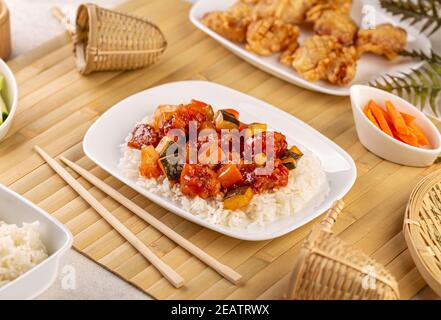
57,106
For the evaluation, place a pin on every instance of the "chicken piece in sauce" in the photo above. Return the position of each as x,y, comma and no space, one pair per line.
178,117
260,139
276,179
144,135
199,180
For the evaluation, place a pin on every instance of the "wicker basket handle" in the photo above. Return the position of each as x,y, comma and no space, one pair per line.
61,17
332,214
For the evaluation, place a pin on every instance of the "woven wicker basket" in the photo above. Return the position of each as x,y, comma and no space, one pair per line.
329,269
422,229
5,32
106,40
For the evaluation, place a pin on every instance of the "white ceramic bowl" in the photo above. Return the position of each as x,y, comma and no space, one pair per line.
385,146
11,85
57,239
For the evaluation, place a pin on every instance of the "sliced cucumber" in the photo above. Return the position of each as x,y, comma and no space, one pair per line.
2,83
3,110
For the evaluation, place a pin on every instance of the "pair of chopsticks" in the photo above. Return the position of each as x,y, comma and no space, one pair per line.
172,276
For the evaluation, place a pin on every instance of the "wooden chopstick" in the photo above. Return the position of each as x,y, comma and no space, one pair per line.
222,269
171,275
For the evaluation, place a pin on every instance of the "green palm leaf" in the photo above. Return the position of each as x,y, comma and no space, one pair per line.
420,86
414,11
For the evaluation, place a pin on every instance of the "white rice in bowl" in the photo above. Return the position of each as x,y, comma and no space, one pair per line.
306,183
20,249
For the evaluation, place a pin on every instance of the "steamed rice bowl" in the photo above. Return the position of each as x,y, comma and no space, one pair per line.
20,250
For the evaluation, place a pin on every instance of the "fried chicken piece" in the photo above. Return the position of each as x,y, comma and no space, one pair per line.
320,6
241,9
269,35
385,39
312,58
338,24
287,56
323,57
290,11
227,25
343,67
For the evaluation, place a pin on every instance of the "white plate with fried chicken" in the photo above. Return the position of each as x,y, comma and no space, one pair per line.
315,44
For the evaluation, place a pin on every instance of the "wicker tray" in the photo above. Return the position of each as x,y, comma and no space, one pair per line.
422,229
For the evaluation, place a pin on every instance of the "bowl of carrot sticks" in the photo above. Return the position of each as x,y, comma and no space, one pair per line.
394,129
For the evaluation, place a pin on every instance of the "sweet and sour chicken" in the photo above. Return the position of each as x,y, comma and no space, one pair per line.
235,175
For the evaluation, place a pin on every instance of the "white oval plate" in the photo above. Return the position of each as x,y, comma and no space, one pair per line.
369,67
103,139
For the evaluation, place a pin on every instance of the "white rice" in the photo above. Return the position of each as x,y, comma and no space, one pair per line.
306,183
20,250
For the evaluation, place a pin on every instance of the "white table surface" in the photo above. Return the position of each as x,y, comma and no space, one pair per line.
32,25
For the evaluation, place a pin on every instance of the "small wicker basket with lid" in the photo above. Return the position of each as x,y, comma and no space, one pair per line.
106,40
327,268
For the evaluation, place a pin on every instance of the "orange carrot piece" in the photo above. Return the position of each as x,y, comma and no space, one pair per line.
368,113
422,139
408,118
397,119
409,139
229,174
379,116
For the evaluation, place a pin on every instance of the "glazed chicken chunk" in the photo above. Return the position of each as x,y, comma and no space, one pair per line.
323,57
268,36
290,11
335,23
384,39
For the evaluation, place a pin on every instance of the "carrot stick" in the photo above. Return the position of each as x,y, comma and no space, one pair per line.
409,139
379,116
397,119
408,118
368,113
422,139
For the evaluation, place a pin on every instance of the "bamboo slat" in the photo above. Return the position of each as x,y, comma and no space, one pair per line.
57,106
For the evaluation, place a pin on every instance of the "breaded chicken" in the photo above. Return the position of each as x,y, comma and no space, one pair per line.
227,25
241,9
343,66
287,56
384,39
338,24
323,57
268,36
290,11
320,6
